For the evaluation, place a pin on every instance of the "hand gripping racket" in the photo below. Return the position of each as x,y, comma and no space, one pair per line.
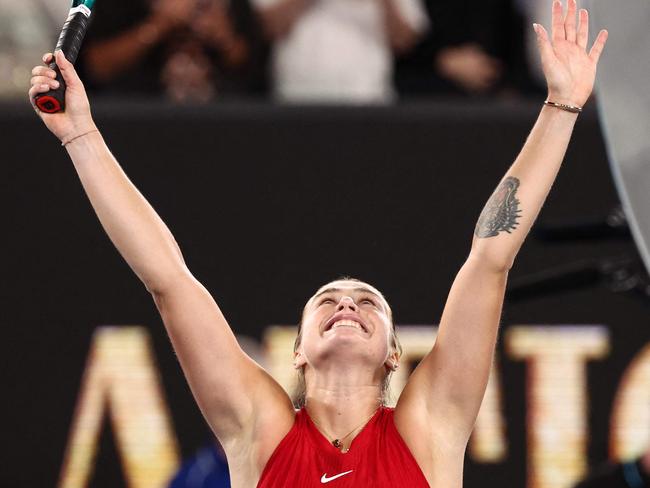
70,40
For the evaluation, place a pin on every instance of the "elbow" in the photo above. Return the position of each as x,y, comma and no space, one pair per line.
495,252
160,285
492,260
165,269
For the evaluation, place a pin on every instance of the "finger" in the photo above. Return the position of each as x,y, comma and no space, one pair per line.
67,70
47,58
33,91
44,80
599,45
570,21
583,29
39,88
558,31
543,41
43,71
36,90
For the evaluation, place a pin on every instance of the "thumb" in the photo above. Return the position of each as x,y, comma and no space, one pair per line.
67,70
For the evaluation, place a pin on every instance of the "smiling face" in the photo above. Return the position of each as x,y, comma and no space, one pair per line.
347,321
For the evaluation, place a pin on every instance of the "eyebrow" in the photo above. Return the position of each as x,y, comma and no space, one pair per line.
334,290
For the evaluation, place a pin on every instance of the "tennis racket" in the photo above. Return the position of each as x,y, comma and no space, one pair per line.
70,40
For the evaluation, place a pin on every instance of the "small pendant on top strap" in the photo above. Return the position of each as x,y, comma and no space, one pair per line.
337,443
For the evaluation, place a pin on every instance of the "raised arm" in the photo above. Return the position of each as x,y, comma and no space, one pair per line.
446,390
229,387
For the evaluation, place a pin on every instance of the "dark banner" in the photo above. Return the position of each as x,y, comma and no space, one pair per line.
267,204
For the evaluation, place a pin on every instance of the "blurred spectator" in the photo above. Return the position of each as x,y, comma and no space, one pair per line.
186,50
634,474
474,48
207,469
28,28
338,50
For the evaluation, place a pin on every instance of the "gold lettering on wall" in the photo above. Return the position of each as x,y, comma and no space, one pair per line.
630,426
488,443
122,381
557,398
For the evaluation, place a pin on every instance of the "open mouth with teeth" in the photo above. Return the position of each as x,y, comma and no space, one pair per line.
346,323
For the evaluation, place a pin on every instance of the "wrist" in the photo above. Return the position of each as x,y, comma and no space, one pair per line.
566,99
572,109
84,143
78,133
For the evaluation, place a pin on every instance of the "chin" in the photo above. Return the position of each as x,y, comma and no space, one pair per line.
348,347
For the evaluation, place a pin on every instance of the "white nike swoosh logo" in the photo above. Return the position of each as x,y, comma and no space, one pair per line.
325,479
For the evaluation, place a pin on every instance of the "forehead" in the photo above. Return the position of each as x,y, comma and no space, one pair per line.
344,286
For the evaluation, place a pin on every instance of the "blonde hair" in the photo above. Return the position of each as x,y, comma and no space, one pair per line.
300,390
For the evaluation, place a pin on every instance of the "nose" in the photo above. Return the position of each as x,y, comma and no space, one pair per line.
346,303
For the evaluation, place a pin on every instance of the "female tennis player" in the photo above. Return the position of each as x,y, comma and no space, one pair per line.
343,434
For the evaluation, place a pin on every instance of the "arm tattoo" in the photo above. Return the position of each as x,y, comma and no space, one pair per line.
501,211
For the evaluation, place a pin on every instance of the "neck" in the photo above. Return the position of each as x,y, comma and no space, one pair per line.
339,403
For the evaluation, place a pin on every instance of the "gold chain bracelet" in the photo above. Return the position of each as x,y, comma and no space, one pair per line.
569,108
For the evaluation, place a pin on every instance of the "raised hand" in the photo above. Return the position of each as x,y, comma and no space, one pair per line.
569,69
77,118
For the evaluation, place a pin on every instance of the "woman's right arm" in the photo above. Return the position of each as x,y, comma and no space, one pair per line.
237,397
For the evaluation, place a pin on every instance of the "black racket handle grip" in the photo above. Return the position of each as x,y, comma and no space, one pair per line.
70,40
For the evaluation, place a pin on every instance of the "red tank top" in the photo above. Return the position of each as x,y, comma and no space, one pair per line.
378,458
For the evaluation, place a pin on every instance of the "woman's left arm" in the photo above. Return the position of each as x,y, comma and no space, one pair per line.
447,388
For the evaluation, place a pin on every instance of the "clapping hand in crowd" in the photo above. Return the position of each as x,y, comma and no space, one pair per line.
470,67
